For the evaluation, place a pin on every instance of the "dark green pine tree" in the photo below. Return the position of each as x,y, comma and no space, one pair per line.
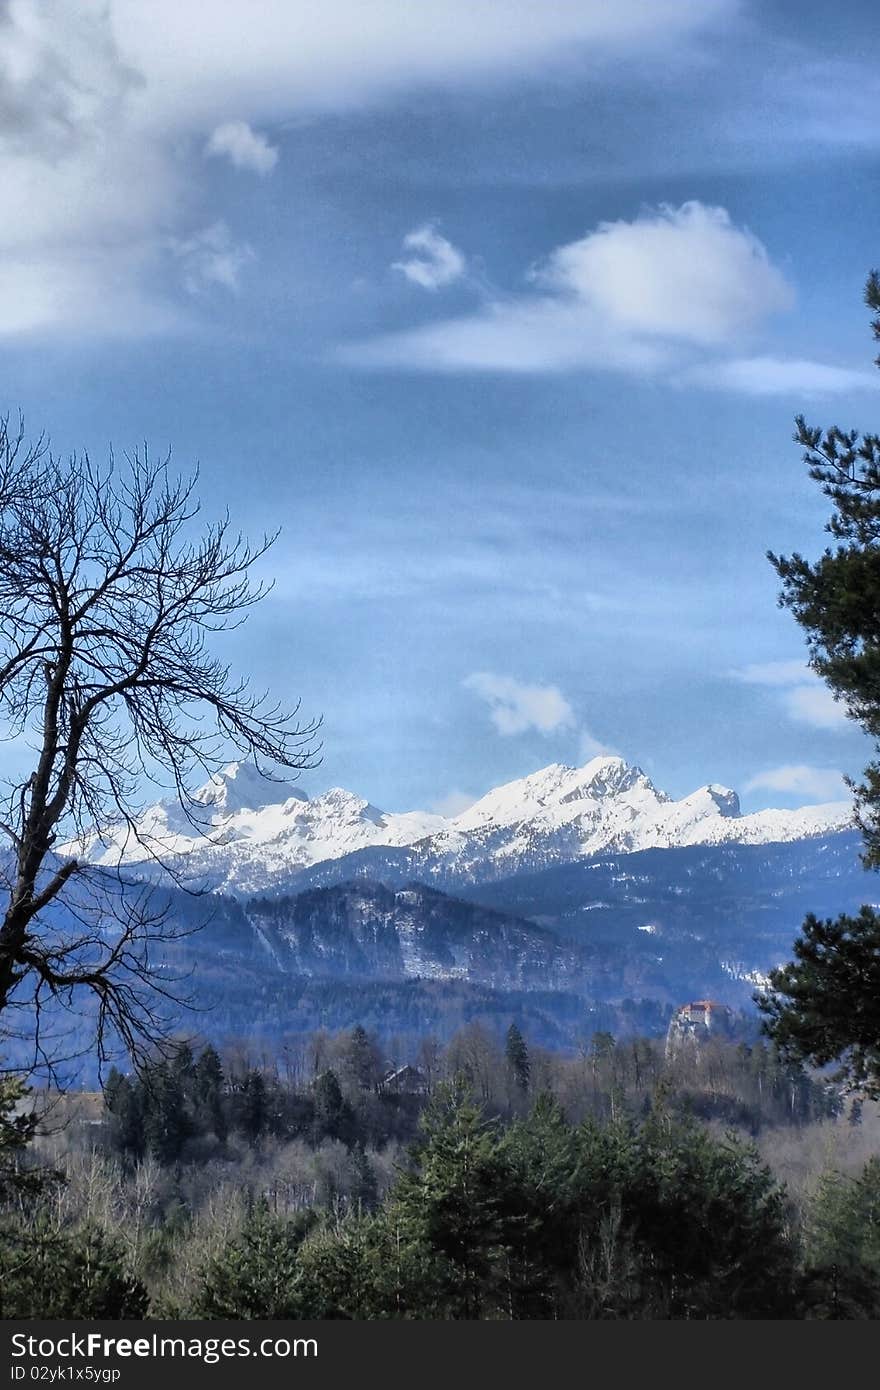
166,1122
341,1273
364,1190
209,1086
253,1106
452,1203
182,1064
516,1054
541,1155
826,1002
842,1246
361,1059
332,1117
256,1275
370,1267
709,1223
123,1100
17,1126
50,1273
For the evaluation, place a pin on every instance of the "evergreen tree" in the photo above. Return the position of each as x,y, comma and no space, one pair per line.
835,598
256,1275
541,1156
49,1273
252,1108
124,1102
602,1045
360,1059
372,1267
363,1191
452,1202
711,1225
842,1246
339,1274
209,1085
516,1054
332,1117
825,1004
166,1121
17,1126
826,1001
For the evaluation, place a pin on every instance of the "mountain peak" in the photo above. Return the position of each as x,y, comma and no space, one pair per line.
713,800
608,775
344,804
241,786
600,780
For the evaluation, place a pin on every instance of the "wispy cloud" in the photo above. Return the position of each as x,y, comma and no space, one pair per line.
433,262
775,376
804,696
774,673
517,708
211,257
452,804
591,747
801,779
244,147
629,296
293,55
107,106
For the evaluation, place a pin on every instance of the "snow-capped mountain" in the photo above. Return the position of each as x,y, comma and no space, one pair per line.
249,834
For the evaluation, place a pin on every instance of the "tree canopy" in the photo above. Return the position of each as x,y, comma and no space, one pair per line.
825,1004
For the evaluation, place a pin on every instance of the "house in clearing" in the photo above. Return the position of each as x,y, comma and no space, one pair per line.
405,1081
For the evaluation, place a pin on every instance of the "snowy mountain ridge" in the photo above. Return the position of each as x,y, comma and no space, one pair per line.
250,834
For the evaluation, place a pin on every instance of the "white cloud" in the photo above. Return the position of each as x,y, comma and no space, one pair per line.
107,105
804,696
821,783
61,75
518,335
435,262
591,747
774,673
82,291
774,376
629,296
87,189
279,56
452,804
211,257
243,147
815,705
515,708
684,273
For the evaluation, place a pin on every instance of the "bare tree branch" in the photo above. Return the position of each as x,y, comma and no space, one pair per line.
110,590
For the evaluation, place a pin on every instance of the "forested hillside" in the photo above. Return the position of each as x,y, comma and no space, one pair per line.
485,1179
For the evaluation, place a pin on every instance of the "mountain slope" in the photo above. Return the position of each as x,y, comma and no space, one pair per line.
666,924
369,931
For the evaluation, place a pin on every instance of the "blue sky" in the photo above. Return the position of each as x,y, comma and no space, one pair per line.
503,313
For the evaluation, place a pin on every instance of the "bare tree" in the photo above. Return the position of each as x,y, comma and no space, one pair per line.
110,589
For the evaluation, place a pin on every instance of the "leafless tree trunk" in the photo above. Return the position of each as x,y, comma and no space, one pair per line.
110,588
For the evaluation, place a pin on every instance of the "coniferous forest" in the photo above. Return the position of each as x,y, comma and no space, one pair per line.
482,1180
